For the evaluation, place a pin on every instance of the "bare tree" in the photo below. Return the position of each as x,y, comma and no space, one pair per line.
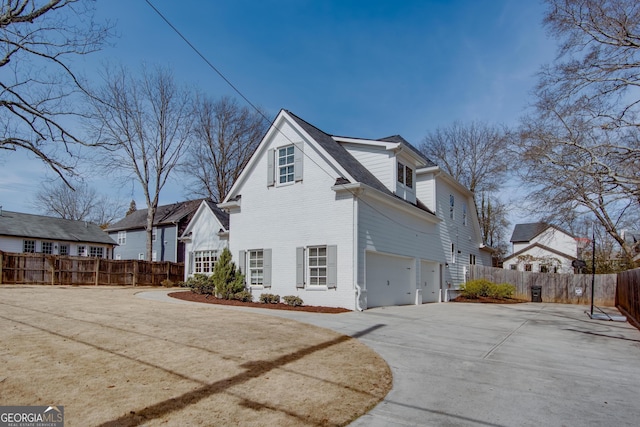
579,148
145,124
475,155
471,153
599,58
80,203
567,164
39,39
227,136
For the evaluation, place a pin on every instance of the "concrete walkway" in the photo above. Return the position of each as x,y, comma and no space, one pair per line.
494,365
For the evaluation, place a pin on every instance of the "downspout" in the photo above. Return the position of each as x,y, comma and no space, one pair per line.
355,252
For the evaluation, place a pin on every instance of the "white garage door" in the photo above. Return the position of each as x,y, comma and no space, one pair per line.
390,280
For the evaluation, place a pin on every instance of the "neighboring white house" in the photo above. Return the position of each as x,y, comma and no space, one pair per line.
349,222
204,238
543,248
27,233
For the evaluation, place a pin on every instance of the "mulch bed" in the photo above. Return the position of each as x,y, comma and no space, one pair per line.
208,299
486,300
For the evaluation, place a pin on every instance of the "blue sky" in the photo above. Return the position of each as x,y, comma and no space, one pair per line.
356,68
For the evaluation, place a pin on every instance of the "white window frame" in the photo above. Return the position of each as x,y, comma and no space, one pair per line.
256,267
154,234
66,251
317,266
452,202
46,248
122,238
404,175
464,214
118,257
472,259
285,164
154,256
29,246
96,251
141,256
453,253
82,250
204,261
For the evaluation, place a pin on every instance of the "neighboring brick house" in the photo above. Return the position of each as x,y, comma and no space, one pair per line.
27,233
169,224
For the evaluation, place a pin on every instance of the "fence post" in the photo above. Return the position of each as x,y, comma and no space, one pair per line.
97,270
53,271
1,264
135,272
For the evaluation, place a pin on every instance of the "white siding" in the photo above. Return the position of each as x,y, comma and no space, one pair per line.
377,160
426,189
11,244
204,237
14,244
306,213
466,238
556,239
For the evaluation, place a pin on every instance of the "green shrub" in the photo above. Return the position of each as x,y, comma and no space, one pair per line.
226,277
269,298
503,290
478,288
474,289
292,300
200,284
167,283
244,296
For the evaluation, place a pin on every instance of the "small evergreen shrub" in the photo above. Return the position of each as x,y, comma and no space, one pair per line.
244,296
292,300
200,284
226,278
269,298
167,283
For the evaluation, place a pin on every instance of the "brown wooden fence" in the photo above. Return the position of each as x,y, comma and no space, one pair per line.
40,269
556,288
628,295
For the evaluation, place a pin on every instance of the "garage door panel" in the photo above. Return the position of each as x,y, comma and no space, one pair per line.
389,280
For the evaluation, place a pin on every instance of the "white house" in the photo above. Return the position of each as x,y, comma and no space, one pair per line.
349,222
543,248
27,233
204,238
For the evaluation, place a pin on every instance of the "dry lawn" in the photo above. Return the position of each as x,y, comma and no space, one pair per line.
112,359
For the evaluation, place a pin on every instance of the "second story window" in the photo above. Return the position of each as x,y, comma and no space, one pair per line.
122,238
405,175
286,164
452,202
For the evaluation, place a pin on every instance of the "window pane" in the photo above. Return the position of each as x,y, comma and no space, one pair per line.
400,172
409,177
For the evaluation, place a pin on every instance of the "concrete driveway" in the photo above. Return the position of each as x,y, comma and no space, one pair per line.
496,365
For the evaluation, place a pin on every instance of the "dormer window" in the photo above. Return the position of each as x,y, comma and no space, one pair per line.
405,175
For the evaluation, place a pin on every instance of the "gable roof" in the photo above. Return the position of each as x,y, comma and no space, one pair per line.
341,155
543,247
18,224
349,163
166,214
526,232
401,140
222,216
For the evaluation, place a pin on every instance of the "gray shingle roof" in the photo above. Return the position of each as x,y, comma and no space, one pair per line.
166,214
526,232
399,139
222,216
347,161
43,227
